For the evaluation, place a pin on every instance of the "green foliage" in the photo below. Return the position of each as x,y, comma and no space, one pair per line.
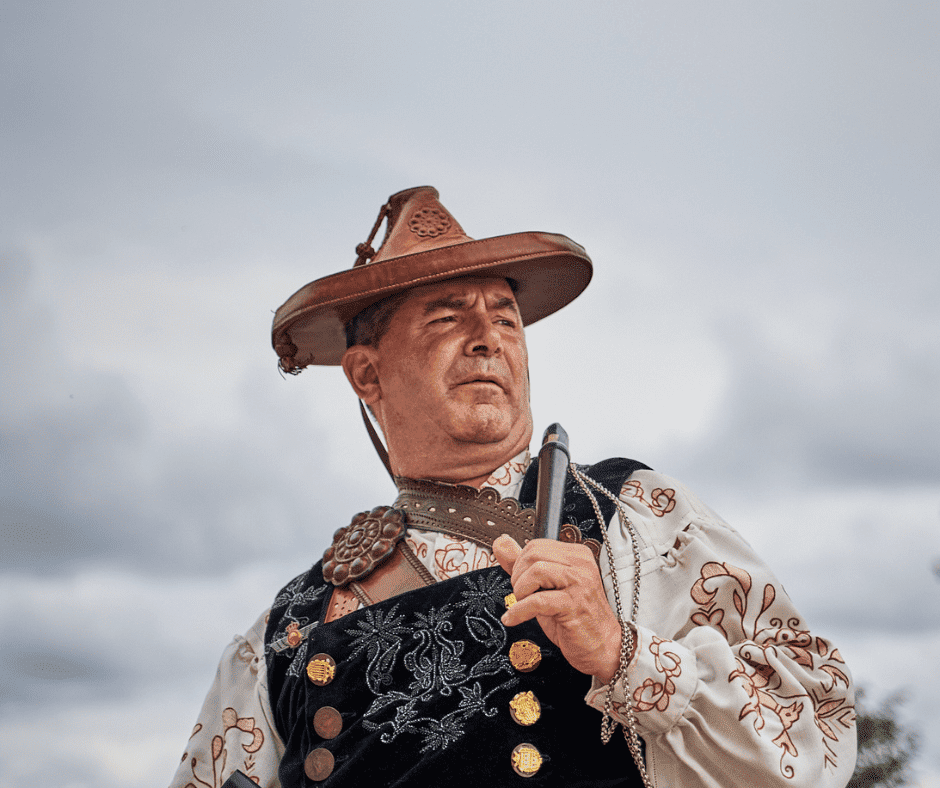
884,747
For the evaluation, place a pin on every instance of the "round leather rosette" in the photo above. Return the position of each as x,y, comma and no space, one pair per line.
362,545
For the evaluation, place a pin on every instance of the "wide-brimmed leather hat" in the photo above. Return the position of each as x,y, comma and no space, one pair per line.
423,244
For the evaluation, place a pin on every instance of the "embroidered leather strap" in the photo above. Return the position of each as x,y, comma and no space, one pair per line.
369,562
400,573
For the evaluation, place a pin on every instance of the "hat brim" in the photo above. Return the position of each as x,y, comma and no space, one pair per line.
550,270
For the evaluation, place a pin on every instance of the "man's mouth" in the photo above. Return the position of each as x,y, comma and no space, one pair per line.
481,379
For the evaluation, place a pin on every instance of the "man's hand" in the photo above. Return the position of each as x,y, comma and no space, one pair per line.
560,586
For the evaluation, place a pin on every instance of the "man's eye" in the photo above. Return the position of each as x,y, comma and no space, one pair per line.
445,319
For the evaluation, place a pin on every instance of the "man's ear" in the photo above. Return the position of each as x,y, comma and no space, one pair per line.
362,373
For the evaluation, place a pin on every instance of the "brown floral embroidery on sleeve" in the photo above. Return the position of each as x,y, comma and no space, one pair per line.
652,694
661,501
832,716
758,648
238,727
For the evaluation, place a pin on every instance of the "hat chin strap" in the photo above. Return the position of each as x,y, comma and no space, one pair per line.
376,441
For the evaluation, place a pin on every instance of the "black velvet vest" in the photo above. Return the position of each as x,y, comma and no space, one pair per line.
423,681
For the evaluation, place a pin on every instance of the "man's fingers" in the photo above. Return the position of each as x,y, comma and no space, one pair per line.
542,575
544,603
555,552
507,550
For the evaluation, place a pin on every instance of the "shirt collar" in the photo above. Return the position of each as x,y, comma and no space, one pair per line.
507,478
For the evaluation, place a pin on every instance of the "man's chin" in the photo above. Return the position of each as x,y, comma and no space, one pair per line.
488,424
483,425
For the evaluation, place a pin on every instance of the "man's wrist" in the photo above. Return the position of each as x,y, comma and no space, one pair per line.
616,653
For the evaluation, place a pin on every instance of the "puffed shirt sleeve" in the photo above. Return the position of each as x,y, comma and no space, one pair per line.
729,686
235,729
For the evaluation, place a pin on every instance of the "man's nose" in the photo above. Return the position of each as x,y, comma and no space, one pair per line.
483,338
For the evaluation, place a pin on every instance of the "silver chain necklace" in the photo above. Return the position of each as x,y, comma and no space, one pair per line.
627,626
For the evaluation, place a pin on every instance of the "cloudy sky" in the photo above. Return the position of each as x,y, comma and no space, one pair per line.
757,185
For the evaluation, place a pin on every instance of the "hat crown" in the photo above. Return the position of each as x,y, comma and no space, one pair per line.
417,222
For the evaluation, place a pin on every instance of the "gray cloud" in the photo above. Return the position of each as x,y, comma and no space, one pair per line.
34,675
856,405
92,474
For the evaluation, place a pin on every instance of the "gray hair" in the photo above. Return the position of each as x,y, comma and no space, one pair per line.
372,323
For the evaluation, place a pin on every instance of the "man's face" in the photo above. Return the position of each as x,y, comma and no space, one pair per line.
453,368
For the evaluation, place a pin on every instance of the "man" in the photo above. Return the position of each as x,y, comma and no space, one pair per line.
440,641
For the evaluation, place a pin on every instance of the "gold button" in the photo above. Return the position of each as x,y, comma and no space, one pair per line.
318,765
510,600
525,708
526,760
525,655
327,722
321,669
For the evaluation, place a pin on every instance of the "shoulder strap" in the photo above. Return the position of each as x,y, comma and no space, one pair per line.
376,442
400,573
